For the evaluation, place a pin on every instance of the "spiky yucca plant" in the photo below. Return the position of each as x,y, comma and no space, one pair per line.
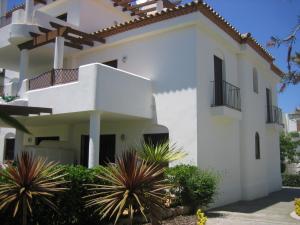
32,179
132,185
162,153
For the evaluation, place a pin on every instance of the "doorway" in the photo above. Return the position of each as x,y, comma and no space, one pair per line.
107,149
269,105
9,149
218,70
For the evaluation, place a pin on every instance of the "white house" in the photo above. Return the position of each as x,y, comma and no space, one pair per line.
112,73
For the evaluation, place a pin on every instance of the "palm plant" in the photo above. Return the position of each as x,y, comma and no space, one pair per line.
162,153
133,186
33,179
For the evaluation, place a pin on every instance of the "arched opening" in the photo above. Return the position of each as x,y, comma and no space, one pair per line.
257,146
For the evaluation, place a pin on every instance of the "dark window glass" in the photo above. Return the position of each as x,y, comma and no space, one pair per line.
38,140
257,146
218,69
156,139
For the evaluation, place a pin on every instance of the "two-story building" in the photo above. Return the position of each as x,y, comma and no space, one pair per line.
115,72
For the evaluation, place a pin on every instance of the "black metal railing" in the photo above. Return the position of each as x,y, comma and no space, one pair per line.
226,94
274,115
53,77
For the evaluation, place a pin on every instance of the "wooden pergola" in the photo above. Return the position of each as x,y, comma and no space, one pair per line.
14,110
74,38
141,9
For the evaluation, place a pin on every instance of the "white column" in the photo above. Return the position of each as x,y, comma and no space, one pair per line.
3,7
94,143
59,53
24,63
19,138
29,6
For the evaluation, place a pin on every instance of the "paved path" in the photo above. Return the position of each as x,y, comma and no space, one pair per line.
272,210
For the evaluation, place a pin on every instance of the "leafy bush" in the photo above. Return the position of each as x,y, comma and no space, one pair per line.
71,206
291,180
162,153
295,134
194,187
297,206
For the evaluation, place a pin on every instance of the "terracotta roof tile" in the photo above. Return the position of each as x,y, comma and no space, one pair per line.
188,8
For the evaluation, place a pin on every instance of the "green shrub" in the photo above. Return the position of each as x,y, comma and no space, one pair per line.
193,187
71,206
291,180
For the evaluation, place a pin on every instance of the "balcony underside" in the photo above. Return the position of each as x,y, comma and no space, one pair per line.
226,112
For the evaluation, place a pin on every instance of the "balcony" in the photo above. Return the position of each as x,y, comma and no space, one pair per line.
226,100
91,87
53,77
274,115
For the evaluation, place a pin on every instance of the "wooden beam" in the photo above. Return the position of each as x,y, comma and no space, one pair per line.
80,41
122,2
43,39
141,12
86,36
73,45
32,34
44,30
14,110
138,6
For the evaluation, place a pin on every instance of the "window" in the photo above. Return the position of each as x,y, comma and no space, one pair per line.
218,72
38,140
257,146
156,139
63,17
255,81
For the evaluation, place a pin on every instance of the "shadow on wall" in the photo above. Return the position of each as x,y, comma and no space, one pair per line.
285,195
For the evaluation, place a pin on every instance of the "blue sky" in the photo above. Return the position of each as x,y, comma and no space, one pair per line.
262,18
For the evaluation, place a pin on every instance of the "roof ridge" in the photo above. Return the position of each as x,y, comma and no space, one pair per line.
204,8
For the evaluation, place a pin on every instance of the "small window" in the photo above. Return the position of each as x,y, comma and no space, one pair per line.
257,146
63,17
112,63
38,140
255,81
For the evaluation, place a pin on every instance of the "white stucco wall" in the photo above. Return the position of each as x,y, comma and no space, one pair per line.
176,57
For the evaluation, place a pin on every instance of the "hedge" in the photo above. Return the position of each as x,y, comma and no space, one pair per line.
70,203
192,187
291,180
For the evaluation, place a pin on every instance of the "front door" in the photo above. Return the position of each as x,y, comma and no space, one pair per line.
107,149
9,149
